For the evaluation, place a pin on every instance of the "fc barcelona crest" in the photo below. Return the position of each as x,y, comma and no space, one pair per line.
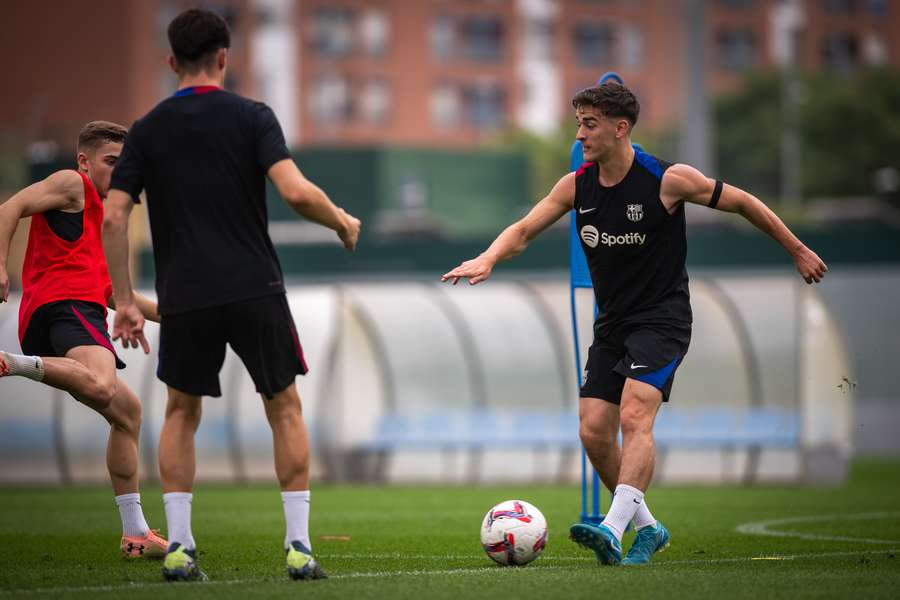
635,212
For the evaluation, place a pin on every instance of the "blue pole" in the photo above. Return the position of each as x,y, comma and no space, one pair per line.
579,277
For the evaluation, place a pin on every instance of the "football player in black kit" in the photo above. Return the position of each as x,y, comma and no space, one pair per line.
630,217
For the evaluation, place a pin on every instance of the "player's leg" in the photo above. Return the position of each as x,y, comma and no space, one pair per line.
55,329
80,334
62,373
123,413
638,409
83,362
599,429
599,433
263,334
653,356
118,405
640,403
291,444
177,469
598,409
191,353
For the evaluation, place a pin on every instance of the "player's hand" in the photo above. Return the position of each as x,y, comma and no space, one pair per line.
476,270
809,265
4,285
350,234
129,327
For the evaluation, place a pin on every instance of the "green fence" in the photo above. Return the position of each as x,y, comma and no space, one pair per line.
427,210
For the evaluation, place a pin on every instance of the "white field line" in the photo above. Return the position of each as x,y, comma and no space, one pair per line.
493,570
765,527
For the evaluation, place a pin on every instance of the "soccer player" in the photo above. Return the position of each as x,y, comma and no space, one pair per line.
62,315
203,156
630,217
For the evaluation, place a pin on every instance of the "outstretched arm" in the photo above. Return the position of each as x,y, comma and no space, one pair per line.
308,200
64,190
129,322
685,183
515,238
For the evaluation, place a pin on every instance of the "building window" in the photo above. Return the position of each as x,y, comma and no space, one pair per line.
875,50
332,31
840,51
443,37
632,47
375,101
735,4
485,104
878,8
482,38
374,32
538,42
839,7
445,106
593,44
330,99
735,49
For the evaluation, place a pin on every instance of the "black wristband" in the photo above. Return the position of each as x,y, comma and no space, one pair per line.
716,193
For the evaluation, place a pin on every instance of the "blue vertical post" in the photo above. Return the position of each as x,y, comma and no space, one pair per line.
580,277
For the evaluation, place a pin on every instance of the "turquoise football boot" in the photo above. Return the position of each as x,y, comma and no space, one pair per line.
648,541
600,539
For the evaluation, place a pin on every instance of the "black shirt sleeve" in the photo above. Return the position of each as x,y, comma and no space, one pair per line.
270,144
128,174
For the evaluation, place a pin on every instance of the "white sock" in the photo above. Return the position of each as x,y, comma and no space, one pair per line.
625,504
643,518
178,518
31,367
296,517
133,522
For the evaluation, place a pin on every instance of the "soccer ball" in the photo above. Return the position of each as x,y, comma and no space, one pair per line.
514,533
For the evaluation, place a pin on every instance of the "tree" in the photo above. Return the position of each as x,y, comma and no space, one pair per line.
849,128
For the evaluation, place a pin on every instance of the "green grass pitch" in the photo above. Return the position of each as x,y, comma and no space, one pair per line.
422,542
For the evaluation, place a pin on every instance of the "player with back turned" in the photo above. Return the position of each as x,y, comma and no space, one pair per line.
629,209
202,156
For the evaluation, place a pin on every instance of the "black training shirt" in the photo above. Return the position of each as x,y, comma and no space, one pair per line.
202,157
635,249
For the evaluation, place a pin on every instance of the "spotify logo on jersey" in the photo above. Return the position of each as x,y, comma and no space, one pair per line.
590,235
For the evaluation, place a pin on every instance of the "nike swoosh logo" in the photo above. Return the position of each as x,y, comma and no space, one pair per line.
634,366
582,211
636,501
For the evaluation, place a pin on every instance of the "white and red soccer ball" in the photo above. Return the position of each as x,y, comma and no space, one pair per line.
514,533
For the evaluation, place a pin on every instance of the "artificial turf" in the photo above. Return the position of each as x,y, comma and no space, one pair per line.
422,542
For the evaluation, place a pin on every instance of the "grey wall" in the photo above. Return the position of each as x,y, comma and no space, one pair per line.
866,303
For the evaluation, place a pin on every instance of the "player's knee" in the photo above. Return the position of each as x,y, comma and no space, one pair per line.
102,393
187,412
595,432
130,414
284,415
635,420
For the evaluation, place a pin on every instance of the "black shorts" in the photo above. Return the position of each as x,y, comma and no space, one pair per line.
57,327
261,331
648,353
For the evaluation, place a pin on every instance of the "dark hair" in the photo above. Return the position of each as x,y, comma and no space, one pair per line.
612,99
96,133
195,35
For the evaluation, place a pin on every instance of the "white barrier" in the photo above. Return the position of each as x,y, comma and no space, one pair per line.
485,378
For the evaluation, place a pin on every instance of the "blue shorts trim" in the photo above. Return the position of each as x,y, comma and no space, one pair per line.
659,377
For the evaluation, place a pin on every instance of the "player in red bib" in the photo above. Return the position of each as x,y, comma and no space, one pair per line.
62,314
